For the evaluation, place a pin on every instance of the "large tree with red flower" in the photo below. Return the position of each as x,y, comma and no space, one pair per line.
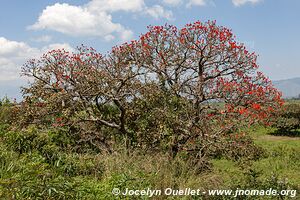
174,89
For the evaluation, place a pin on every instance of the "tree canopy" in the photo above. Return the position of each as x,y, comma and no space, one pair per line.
171,89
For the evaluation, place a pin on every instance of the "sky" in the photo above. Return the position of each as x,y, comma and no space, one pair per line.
30,28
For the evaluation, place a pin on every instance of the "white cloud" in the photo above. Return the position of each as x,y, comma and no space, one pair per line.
43,38
12,48
76,21
94,18
126,35
158,11
14,54
109,38
242,2
196,3
9,70
115,5
172,2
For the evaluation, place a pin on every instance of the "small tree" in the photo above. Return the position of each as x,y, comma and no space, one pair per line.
179,90
288,120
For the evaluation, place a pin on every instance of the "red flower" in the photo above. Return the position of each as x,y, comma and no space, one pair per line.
59,119
210,115
242,110
256,106
233,45
182,40
146,46
58,125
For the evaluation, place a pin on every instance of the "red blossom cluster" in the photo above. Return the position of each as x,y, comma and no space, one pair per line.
201,63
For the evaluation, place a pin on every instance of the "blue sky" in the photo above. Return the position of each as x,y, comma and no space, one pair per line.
29,28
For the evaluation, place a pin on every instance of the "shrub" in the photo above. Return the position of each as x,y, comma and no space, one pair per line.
288,121
7,111
32,166
240,147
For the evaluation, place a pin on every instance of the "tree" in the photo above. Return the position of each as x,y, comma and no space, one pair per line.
288,120
179,90
81,90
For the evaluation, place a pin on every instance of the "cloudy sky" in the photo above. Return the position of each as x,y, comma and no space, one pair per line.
29,28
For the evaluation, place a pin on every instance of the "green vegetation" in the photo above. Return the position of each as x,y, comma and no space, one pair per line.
288,121
42,164
173,109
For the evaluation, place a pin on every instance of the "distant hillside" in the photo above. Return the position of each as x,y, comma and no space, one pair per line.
289,87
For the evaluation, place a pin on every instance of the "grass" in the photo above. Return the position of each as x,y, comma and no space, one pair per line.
283,155
84,176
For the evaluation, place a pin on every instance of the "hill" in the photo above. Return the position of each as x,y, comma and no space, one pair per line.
289,87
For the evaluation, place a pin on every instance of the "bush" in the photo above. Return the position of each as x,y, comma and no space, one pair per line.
288,121
239,147
31,140
34,166
7,111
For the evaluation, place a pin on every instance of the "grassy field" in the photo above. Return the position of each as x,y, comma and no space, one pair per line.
88,176
281,161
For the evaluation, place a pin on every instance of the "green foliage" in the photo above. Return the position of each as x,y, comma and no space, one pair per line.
54,163
80,165
49,142
158,121
288,121
71,175
6,111
30,175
